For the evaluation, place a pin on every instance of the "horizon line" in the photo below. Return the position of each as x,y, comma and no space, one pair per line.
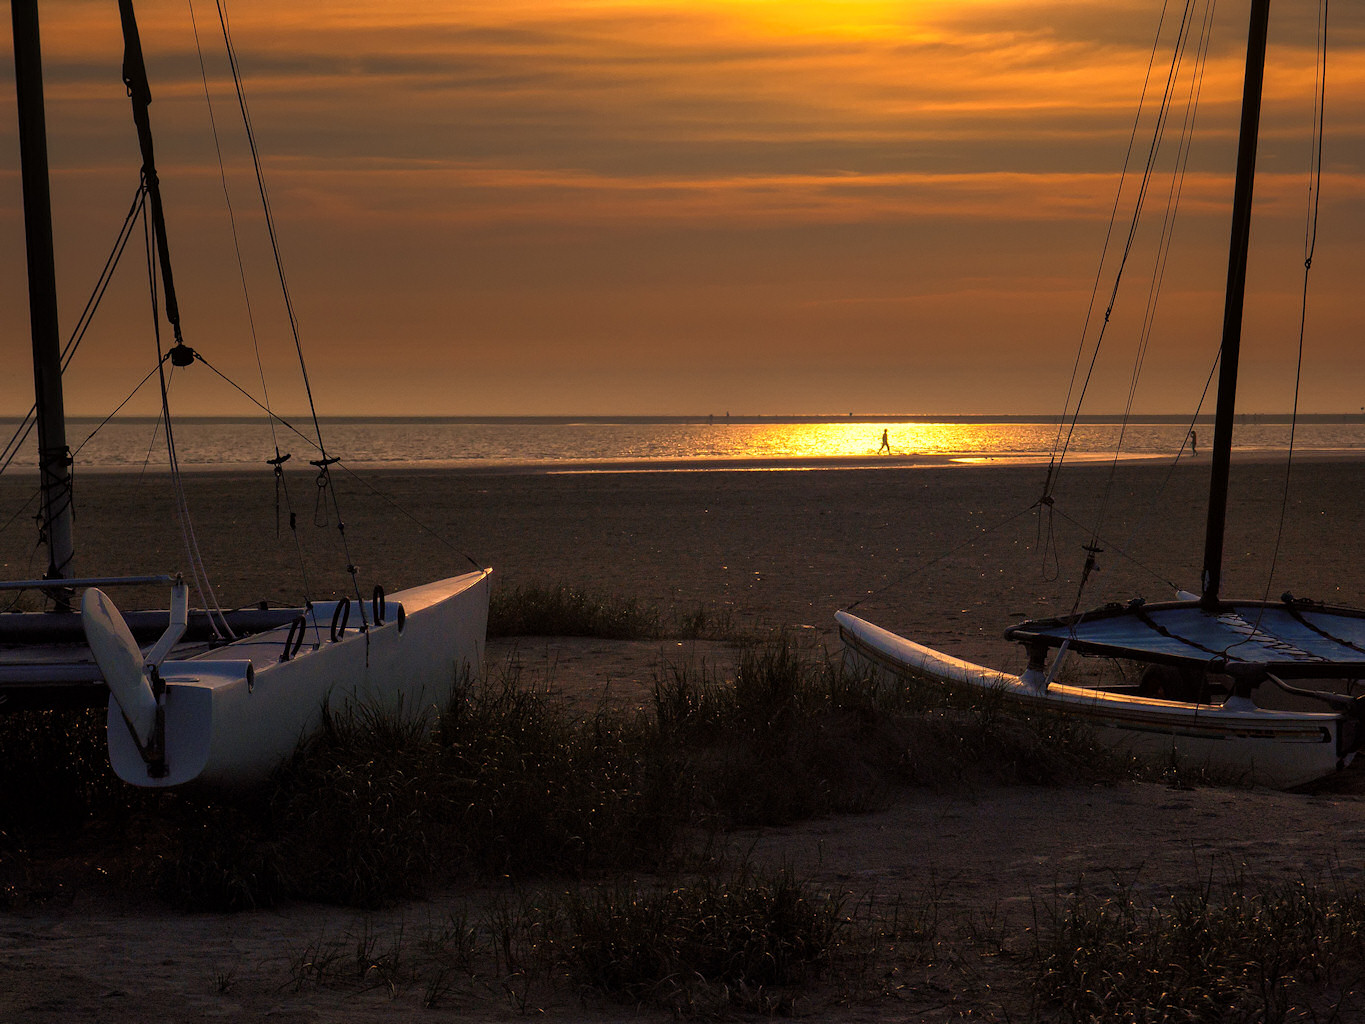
745,418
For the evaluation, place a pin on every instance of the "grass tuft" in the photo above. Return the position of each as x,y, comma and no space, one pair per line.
785,738
741,939
1218,952
566,611
57,773
970,736
378,808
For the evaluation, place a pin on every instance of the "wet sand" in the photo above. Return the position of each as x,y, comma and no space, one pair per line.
946,554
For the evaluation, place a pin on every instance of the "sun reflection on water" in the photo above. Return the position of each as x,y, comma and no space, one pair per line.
571,445
864,439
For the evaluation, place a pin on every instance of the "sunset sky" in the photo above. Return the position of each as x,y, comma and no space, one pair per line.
763,207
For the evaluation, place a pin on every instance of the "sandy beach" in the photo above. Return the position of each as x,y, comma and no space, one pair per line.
947,554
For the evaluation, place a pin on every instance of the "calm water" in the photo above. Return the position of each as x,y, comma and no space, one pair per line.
569,446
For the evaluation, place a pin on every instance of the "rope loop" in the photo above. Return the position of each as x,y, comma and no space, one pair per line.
278,462
324,483
340,617
294,640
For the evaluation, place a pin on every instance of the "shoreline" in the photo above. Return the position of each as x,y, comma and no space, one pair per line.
745,419
510,467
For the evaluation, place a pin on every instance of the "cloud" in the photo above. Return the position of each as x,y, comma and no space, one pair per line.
582,179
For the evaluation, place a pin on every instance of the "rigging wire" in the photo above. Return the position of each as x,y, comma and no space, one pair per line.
326,492
19,513
1158,131
925,566
152,441
1174,462
281,483
342,466
1045,543
197,570
988,531
1190,425
1080,383
1174,194
105,422
1167,234
1057,447
232,219
83,322
1310,238
138,211
1192,30
26,425
1133,560
73,342
1309,247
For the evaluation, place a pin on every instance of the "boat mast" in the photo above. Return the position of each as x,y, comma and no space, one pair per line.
54,458
135,78
1233,302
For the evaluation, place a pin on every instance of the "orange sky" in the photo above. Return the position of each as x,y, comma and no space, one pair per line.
635,207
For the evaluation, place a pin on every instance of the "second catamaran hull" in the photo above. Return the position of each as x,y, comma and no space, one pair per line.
234,715
1280,749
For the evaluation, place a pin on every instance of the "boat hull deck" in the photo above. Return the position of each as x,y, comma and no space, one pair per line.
233,714
233,711
1236,740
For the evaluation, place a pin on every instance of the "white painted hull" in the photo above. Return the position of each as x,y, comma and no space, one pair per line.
234,714
1280,749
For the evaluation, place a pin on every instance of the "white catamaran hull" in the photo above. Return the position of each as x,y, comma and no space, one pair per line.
233,715
1280,749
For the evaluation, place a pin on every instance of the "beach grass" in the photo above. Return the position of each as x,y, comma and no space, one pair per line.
537,610
781,738
507,783
1223,950
376,809
749,930
760,940
604,836
742,938
562,610
58,782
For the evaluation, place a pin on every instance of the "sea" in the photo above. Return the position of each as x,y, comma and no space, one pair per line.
605,444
